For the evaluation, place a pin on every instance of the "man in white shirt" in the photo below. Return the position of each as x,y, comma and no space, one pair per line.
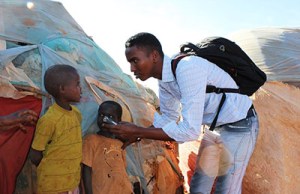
185,97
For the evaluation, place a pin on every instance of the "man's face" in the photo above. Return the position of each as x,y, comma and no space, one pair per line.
141,62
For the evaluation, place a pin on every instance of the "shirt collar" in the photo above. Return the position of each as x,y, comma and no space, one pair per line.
62,110
167,75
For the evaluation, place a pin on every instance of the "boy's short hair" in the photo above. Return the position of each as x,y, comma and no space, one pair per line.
113,105
56,76
146,40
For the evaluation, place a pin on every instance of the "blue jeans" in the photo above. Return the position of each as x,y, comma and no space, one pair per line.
224,154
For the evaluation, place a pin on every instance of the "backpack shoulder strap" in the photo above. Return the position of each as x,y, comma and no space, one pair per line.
214,89
176,60
209,88
213,124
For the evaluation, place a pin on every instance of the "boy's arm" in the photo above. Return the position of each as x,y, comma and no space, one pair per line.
35,156
87,179
43,134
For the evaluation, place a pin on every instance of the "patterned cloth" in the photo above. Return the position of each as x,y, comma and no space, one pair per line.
15,144
58,135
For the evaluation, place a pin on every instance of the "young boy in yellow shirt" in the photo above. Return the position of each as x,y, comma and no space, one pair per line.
57,144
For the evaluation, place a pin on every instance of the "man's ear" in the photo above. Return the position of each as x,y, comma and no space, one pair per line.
155,56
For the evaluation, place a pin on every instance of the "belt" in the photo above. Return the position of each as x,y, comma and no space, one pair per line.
251,112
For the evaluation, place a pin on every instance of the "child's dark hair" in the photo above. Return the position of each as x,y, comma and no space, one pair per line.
56,76
112,105
146,40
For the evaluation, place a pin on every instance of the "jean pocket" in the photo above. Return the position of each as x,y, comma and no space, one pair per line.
239,126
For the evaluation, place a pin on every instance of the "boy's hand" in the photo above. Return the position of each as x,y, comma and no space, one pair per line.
19,120
28,117
35,156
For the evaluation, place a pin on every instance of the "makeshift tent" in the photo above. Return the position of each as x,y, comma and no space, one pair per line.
275,50
274,165
38,34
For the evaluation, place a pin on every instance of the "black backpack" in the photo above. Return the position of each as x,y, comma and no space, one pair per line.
231,58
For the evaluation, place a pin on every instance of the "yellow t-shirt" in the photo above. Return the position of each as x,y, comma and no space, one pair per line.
58,135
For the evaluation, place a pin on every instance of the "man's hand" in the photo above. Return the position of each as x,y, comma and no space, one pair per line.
129,133
126,132
19,120
127,142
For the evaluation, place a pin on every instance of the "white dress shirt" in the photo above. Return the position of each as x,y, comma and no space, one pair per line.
185,96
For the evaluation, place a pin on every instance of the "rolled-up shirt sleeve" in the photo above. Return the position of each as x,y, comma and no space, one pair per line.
161,120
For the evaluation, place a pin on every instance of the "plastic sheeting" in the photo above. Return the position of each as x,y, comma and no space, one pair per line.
41,34
34,21
275,50
61,41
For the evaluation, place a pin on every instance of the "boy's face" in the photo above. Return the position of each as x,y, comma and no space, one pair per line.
71,91
109,112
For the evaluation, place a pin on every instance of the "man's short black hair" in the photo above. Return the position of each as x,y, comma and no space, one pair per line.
112,105
56,76
146,40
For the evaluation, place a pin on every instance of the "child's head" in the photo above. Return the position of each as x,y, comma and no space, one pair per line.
63,83
110,109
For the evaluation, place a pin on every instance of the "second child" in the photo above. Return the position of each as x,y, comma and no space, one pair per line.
57,144
104,166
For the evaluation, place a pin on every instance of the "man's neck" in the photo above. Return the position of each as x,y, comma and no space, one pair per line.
158,68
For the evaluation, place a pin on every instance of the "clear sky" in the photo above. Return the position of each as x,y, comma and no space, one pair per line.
173,22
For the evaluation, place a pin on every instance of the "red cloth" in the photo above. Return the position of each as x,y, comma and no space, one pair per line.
15,144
